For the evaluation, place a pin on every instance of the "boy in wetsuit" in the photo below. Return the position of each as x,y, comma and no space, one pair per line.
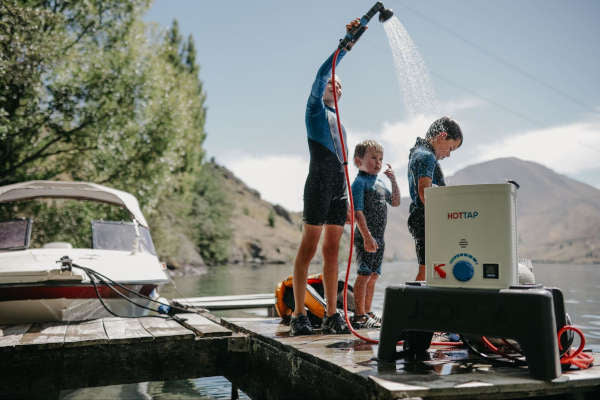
370,197
325,200
442,138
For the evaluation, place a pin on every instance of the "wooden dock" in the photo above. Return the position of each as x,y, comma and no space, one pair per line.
258,356
344,367
40,359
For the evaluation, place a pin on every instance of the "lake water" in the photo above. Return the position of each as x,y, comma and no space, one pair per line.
580,285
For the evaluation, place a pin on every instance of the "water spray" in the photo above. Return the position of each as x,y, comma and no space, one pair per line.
346,44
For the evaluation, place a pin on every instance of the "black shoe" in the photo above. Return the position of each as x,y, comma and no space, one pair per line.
300,325
334,324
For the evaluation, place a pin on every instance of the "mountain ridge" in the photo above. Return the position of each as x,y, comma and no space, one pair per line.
558,218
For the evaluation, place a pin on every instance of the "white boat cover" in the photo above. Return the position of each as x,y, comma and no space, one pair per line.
73,190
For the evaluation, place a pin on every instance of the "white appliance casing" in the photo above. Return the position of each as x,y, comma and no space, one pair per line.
476,224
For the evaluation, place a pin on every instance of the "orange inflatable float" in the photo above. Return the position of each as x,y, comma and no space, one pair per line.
314,301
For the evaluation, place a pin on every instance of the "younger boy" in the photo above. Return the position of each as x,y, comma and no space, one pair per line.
442,138
370,210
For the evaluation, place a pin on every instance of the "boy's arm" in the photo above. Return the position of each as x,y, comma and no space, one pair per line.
358,193
315,100
389,172
424,182
361,222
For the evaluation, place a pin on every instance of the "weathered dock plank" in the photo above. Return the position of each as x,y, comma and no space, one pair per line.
85,333
203,326
125,330
10,335
167,329
45,335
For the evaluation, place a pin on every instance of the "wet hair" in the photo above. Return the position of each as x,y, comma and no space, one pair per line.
448,125
361,149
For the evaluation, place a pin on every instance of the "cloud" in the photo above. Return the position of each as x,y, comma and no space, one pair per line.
567,149
570,149
278,178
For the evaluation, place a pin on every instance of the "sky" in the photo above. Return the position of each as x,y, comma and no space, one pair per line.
521,77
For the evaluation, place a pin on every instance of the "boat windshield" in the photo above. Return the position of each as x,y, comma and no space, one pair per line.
15,234
112,235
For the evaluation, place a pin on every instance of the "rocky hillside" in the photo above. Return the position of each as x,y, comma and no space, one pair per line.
558,217
262,232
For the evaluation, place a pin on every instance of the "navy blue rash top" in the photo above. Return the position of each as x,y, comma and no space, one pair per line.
370,196
422,163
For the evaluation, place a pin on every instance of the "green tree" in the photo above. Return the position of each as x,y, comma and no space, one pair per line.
88,91
211,211
88,97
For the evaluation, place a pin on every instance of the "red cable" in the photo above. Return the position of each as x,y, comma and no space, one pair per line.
571,357
339,125
576,358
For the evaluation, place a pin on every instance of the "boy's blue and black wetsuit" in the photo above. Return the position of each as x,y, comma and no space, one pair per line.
370,196
325,188
421,163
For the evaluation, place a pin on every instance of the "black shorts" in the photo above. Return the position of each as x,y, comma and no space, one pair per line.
325,189
321,206
416,227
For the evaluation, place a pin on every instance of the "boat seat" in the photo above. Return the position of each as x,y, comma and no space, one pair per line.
57,245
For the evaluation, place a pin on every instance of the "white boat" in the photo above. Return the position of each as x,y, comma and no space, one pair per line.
35,285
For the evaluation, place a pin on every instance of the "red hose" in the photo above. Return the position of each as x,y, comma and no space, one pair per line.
339,125
576,358
571,357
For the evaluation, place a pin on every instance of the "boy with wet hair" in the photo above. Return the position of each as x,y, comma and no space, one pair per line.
325,200
442,138
370,210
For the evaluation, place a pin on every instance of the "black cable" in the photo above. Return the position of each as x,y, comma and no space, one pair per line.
102,301
125,297
513,361
105,278
68,264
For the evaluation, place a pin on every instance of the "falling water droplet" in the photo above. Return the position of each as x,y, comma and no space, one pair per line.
412,74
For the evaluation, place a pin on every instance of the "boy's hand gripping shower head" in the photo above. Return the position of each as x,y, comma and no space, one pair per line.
353,35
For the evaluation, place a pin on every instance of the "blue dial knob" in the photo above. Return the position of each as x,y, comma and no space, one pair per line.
463,270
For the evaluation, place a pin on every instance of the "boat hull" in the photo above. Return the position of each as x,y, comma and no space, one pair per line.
70,303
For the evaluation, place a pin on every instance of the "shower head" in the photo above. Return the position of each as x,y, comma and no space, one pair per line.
385,14
351,37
